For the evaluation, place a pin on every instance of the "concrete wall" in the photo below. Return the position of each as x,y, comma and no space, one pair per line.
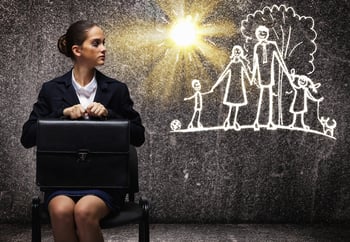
193,175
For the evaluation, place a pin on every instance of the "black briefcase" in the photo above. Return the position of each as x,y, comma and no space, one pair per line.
82,154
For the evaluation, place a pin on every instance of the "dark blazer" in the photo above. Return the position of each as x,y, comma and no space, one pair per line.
59,93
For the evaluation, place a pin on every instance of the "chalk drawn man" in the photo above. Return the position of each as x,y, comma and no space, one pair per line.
235,91
265,55
303,88
198,104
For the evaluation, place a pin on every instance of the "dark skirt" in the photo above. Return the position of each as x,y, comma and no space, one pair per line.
114,199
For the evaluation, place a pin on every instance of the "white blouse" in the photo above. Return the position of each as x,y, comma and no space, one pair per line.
87,93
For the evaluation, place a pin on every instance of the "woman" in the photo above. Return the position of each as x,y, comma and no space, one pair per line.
83,93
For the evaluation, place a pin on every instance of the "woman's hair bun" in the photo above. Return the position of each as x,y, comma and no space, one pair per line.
75,35
62,45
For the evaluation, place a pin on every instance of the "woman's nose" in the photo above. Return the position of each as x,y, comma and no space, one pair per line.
103,48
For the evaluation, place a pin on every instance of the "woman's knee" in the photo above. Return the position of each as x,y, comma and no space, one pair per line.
83,214
89,211
61,208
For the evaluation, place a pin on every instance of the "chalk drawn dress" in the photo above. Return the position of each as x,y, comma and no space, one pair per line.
235,93
299,103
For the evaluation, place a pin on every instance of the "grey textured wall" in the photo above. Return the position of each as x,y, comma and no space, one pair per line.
204,176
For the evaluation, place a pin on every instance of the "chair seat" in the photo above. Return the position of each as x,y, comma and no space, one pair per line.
129,213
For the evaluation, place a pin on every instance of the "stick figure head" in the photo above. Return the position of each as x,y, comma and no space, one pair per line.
262,33
302,82
196,85
237,51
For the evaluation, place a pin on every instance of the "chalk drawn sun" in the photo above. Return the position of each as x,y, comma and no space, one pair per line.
182,41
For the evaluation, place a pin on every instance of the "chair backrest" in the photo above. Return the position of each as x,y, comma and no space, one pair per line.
84,154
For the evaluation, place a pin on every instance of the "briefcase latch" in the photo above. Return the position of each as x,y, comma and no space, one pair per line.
82,156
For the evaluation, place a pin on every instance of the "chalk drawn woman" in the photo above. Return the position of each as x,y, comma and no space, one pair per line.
235,91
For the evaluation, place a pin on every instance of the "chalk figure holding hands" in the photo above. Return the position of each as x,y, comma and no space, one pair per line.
198,104
235,91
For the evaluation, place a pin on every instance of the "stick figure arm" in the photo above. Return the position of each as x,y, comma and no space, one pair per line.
292,83
246,73
311,97
216,84
281,62
255,67
221,78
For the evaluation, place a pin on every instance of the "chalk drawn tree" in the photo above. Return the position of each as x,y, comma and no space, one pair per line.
294,35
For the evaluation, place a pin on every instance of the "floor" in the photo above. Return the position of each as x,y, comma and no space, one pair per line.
200,232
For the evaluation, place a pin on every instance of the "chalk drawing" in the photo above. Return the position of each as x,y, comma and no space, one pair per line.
271,59
303,89
266,53
198,103
235,92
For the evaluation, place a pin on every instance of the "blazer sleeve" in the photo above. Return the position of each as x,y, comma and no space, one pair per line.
125,110
41,109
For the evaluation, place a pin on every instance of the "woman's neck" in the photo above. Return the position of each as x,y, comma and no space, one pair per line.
83,75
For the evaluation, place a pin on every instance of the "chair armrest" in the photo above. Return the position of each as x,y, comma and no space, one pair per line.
36,200
143,202
36,208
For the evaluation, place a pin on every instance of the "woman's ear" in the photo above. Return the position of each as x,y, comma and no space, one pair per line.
76,50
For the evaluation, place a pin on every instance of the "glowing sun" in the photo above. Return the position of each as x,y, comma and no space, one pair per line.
177,47
184,32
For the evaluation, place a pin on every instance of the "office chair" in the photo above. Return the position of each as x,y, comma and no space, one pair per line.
131,212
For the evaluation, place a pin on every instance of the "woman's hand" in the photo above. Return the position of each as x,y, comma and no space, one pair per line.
74,112
96,110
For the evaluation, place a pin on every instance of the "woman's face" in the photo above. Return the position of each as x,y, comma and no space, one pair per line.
93,50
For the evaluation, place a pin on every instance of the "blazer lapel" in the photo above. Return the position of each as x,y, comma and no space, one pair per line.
69,95
102,89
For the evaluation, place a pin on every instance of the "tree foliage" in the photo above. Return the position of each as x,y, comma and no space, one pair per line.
294,35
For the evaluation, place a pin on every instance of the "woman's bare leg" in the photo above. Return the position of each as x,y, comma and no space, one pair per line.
88,212
61,209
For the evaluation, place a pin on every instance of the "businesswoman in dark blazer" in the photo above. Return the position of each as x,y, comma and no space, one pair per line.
82,93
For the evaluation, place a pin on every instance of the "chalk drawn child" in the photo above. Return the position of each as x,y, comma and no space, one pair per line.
198,104
303,88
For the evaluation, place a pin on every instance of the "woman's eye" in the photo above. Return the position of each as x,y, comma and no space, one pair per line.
95,43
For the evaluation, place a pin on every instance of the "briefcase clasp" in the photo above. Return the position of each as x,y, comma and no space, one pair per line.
82,156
